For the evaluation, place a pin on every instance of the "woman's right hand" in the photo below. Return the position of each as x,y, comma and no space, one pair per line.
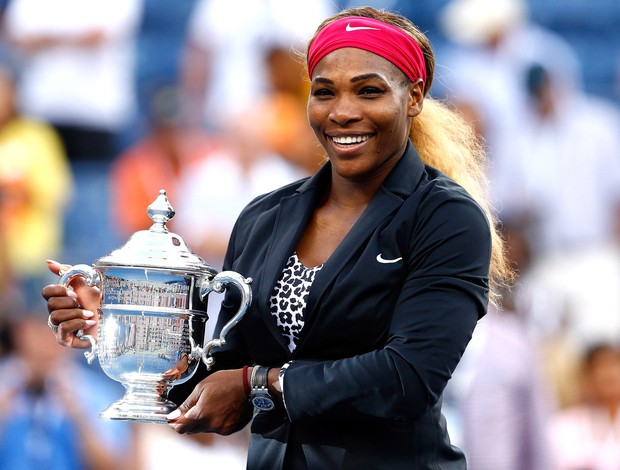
72,310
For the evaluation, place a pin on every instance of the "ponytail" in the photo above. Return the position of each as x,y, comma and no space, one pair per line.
445,141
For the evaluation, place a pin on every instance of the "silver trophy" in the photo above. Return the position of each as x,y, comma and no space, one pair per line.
153,314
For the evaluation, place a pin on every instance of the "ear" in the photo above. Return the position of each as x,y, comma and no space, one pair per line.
416,98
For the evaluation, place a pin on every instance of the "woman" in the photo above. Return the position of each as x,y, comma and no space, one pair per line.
369,277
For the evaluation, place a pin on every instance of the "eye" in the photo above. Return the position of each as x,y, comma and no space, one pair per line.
371,91
322,92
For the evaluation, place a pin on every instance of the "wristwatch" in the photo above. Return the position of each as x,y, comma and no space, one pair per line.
259,393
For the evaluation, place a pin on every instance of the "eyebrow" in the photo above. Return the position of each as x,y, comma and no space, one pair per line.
357,78
367,76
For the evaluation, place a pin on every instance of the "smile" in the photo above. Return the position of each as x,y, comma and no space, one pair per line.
350,139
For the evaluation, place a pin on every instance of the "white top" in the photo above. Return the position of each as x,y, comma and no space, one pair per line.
77,85
566,171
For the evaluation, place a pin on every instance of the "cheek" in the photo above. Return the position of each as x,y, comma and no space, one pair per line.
397,124
315,118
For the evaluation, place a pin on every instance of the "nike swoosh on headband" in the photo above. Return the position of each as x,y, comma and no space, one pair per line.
357,28
382,260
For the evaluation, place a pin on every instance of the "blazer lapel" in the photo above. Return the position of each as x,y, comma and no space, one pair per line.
381,206
292,218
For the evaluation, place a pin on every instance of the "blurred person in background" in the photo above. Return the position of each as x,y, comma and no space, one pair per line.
283,127
157,161
226,44
77,60
587,435
36,184
563,183
215,189
254,156
563,174
554,169
492,44
499,400
49,422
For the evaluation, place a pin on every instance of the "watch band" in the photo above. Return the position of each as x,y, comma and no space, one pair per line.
259,395
259,377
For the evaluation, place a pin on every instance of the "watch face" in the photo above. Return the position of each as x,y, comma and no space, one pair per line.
263,402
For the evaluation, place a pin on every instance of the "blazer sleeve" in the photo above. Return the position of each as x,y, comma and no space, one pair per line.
444,294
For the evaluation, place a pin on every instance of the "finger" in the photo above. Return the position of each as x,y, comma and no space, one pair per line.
88,296
182,424
179,420
56,267
67,330
176,420
179,412
59,269
193,414
180,428
55,290
61,303
58,317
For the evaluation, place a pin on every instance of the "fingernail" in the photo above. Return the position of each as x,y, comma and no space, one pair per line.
51,261
88,313
174,415
90,322
71,293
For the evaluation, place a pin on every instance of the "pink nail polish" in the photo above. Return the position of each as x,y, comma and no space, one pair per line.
174,414
90,322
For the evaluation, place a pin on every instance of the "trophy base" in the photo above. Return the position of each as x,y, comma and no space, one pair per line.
139,408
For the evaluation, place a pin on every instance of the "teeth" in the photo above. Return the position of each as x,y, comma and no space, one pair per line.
350,139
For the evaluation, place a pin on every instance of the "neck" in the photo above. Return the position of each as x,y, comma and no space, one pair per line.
359,191
352,193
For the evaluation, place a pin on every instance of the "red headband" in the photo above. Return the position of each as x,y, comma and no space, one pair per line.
371,35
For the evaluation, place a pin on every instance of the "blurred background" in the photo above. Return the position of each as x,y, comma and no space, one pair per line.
104,103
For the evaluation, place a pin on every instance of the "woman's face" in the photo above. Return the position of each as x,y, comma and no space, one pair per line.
361,107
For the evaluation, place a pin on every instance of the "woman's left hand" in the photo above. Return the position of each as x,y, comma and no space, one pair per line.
217,404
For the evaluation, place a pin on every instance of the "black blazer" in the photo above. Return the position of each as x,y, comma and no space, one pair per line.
380,339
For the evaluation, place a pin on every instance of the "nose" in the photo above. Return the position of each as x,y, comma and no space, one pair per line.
344,110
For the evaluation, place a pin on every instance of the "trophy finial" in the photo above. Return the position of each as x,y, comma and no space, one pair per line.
160,212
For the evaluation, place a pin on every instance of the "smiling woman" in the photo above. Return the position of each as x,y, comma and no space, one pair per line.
368,277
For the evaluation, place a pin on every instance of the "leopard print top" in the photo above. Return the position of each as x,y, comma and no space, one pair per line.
289,298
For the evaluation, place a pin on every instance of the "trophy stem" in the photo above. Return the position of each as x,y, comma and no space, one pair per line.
144,402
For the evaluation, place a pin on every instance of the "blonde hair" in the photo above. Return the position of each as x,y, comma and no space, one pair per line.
445,141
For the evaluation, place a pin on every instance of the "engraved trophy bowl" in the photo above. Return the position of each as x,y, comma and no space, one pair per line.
152,317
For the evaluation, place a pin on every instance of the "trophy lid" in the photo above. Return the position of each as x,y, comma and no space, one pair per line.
157,247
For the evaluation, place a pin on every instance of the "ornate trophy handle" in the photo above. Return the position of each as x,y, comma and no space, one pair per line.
92,278
217,284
